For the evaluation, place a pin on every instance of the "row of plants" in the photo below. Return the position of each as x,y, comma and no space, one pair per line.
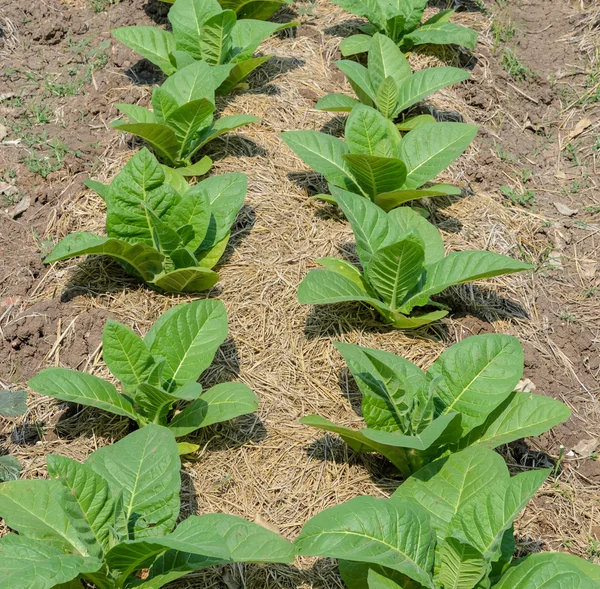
111,521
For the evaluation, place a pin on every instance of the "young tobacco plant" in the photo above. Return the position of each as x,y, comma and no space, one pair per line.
181,121
388,82
111,523
401,22
402,256
467,397
204,30
376,162
168,239
158,373
257,9
450,525
12,404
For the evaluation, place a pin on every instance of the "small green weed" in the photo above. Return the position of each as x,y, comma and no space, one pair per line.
524,198
566,316
514,67
45,165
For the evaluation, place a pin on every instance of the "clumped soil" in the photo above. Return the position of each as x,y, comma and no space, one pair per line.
61,77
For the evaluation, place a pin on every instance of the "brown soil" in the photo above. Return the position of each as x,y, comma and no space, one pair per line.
267,467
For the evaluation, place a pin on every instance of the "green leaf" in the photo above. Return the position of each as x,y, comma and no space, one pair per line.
99,188
344,269
461,565
424,83
89,502
188,337
476,375
193,82
82,388
415,122
355,44
10,468
253,9
430,149
187,280
34,509
186,121
395,270
336,103
145,260
215,37
442,33
222,402
523,415
377,581
387,97
32,564
136,113
194,209
358,76
380,531
13,403
446,485
162,138
239,72
174,179
207,258
126,354
365,129
386,60
322,152
376,174
154,402
356,575
144,466
150,42
187,18
390,200
198,169
163,104
222,126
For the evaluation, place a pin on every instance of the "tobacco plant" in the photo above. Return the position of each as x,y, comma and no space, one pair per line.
257,9
181,121
403,262
168,239
203,30
401,22
111,523
12,404
450,525
158,373
467,397
376,162
388,82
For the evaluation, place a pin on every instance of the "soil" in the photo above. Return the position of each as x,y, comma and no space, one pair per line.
60,79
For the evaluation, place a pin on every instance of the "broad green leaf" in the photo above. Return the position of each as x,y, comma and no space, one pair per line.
136,113
13,403
145,260
344,269
390,200
33,564
255,9
175,179
193,82
187,120
181,59
523,415
198,169
220,403
248,34
89,502
375,174
150,42
386,60
222,126
430,149
239,72
381,531
356,575
99,188
82,388
585,566
126,354
154,402
395,270
144,466
358,76
321,287
442,33
387,97
401,321
355,44
365,129
322,152
10,468
215,37
34,509
336,103
415,122
187,280
187,18
446,485
395,27
188,336
207,258
476,375
461,565
377,581
162,138
424,83
190,391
